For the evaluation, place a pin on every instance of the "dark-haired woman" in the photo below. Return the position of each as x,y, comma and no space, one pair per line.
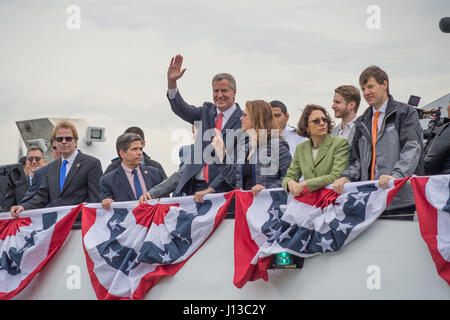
321,159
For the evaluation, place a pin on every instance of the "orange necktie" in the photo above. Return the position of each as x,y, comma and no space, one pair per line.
218,127
374,140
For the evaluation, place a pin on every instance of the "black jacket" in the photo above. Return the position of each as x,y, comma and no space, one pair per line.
115,163
437,159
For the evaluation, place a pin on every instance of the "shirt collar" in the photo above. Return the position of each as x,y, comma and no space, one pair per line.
227,113
72,157
383,107
350,124
126,169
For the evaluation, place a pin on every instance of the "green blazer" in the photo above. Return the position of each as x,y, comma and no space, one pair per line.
331,161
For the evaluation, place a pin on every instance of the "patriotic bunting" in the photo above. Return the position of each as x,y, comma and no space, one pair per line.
432,196
129,249
28,244
313,223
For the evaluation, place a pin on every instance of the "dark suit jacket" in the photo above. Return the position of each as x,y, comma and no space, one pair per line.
115,185
38,178
115,163
206,114
81,184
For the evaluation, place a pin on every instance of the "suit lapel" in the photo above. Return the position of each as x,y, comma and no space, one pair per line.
149,183
307,154
123,180
323,149
53,176
235,117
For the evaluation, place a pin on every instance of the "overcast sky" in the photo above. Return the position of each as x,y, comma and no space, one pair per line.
112,70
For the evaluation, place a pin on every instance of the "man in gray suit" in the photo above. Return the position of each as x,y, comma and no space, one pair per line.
200,177
345,105
70,180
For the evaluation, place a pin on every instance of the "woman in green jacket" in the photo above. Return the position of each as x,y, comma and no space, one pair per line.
321,159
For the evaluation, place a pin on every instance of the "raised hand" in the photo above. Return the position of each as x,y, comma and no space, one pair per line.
175,72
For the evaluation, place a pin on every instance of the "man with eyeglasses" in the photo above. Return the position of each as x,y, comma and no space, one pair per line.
38,174
35,160
70,180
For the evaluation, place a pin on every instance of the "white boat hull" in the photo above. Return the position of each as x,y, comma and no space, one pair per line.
388,261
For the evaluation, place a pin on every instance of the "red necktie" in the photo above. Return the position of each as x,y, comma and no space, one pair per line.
374,140
218,127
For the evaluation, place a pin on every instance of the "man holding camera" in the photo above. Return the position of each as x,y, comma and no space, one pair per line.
437,159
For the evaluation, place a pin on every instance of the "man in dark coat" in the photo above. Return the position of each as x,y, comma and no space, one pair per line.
130,180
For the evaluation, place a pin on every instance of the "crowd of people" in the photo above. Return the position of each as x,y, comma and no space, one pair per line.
251,149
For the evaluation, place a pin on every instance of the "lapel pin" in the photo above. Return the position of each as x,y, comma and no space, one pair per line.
78,165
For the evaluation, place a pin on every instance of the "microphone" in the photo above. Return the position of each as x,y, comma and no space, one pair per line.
444,24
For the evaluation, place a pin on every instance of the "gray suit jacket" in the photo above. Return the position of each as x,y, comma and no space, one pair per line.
81,184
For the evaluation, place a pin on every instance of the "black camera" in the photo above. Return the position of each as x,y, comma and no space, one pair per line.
13,185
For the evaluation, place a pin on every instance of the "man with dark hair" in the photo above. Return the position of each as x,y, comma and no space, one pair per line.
35,160
288,133
224,114
146,160
39,174
387,145
70,180
345,105
130,180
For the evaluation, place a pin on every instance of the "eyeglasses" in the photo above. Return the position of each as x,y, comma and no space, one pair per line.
60,139
35,158
319,120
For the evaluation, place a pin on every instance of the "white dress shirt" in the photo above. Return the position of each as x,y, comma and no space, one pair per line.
344,133
70,161
382,114
292,138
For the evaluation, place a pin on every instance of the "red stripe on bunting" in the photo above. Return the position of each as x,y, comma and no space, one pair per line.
60,233
245,248
11,226
149,280
427,216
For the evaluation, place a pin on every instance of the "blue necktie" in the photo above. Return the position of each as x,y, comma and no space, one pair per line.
137,184
62,175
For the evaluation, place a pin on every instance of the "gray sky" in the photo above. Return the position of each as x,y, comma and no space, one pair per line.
112,71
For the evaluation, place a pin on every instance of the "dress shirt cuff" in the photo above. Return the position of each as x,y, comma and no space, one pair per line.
172,93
